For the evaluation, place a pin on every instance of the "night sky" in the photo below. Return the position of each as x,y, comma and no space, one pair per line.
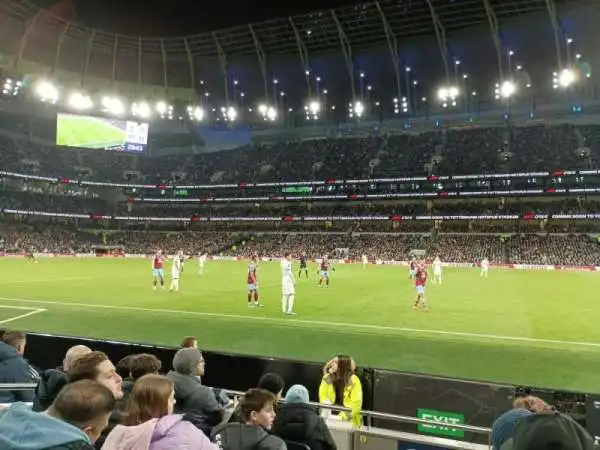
178,17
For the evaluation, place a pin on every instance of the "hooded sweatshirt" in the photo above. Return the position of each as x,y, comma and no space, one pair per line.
23,429
166,433
239,436
14,369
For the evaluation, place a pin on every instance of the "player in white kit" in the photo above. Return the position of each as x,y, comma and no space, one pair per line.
365,261
485,267
288,285
176,270
437,270
201,261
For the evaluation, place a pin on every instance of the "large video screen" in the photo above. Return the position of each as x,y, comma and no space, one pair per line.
74,130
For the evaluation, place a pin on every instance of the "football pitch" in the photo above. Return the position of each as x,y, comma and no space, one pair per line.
87,132
527,328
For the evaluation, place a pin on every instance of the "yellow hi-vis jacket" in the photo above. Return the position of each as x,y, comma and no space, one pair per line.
353,398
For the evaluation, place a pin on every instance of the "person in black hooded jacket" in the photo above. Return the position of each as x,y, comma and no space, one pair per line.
298,421
53,380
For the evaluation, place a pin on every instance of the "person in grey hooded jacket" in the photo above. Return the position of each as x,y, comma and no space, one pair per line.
256,410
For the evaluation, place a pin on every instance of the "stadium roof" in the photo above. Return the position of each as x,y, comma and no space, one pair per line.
362,25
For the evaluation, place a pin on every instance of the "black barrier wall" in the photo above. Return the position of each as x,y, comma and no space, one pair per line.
234,372
447,401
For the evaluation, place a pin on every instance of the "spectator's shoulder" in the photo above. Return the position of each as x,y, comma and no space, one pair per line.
272,442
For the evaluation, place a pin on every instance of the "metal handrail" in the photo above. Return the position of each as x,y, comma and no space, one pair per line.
366,413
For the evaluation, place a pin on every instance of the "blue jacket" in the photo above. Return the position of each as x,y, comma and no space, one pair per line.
14,369
23,429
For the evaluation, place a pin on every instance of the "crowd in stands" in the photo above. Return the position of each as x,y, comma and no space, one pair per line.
532,248
459,151
89,403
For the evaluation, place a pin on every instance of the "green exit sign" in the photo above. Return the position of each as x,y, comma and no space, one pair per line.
445,419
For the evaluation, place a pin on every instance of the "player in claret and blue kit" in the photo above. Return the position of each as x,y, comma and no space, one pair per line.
420,281
253,282
324,271
158,271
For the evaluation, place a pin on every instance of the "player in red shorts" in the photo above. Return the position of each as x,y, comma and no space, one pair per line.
253,282
420,281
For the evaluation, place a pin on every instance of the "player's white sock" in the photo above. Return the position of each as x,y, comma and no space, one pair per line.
290,303
283,303
176,285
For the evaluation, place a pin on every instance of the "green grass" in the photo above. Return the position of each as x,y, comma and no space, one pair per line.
533,328
87,132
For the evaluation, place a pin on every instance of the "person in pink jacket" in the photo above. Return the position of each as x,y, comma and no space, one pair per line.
150,424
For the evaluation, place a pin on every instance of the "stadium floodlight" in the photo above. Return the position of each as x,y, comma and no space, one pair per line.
80,101
262,109
141,109
359,109
11,87
448,94
564,79
195,113
505,90
314,107
271,114
113,105
231,114
47,91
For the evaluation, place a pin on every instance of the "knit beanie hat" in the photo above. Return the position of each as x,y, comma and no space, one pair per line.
297,394
186,361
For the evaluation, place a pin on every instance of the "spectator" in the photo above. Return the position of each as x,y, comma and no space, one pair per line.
199,403
297,421
74,421
96,366
150,423
273,383
14,369
340,386
16,339
124,366
257,413
549,431
504,426
189,342
140,365
53,380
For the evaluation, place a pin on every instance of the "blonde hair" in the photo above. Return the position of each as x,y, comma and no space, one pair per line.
149,399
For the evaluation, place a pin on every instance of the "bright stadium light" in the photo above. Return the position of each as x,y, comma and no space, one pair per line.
312,110
11,87
267,112
46,91
359,109
141,109
195,113
314,107
356,110
448,94
230,113
505,90
564,79
271,114
164,110
80,101
112,105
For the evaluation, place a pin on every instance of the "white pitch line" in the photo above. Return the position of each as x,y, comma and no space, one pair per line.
22,316
291,321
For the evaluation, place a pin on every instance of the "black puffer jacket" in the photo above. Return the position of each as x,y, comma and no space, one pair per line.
301,423
50,384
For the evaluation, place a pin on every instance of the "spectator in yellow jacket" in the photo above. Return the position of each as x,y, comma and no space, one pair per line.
341,387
